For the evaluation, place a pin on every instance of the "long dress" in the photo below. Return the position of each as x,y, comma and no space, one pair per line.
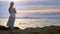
11,19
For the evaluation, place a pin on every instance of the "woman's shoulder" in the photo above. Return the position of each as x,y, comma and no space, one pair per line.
13,7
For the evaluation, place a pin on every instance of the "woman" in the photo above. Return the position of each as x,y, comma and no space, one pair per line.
12,12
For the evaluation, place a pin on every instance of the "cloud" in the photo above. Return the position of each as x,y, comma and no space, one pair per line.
12,0
21,15
37,7
23,0
32,5
29,0
42,10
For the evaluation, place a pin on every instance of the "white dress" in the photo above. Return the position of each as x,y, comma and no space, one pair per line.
11,19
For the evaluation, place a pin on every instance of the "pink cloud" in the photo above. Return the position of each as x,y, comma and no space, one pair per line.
21,15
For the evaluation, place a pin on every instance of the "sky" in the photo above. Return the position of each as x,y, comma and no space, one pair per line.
31,8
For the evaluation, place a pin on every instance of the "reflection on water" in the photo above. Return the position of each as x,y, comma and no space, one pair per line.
24,23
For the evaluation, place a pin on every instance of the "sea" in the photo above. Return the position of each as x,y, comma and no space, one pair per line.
26,23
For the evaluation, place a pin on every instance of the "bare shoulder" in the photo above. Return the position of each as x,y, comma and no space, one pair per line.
13,8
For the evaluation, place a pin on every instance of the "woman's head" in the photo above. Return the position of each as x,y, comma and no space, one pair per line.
11,4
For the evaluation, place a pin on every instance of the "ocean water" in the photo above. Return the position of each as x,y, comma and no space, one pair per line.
25,23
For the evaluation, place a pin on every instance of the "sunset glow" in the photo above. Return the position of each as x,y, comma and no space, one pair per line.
48,10
12,0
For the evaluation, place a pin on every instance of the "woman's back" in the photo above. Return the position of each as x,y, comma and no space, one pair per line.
12,10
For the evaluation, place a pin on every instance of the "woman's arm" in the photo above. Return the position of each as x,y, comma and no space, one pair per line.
14,10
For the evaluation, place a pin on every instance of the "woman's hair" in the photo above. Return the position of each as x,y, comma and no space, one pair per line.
11,5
